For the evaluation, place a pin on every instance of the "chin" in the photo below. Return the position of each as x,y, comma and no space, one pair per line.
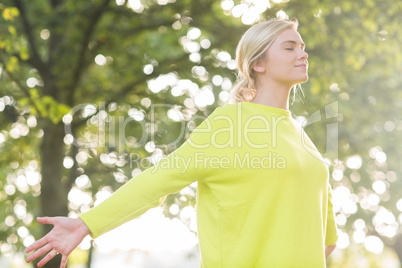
302,80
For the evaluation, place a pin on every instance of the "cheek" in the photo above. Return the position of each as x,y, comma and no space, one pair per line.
278,64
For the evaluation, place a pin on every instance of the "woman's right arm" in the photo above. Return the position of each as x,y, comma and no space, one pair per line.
139,194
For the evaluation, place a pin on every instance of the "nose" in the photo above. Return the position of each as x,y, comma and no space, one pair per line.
303,55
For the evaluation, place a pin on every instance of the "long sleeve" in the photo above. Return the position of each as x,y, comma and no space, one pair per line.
331,232
141,193
149,189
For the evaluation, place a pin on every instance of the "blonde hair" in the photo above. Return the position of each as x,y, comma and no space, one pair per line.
251,48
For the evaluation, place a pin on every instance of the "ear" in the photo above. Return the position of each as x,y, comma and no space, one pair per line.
259,67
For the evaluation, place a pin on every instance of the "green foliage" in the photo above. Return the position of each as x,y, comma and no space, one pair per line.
46,106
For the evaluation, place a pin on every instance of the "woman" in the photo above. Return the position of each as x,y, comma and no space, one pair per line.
263,198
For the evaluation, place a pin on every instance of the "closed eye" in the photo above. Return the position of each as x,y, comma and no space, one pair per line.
292,42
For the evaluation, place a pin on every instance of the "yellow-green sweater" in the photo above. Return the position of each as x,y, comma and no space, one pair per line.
263,196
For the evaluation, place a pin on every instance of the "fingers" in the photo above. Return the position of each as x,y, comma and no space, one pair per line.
53,253
36,244
63,261
46,220
43,240
39,252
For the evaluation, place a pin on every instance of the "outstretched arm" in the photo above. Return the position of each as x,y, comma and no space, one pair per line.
65,236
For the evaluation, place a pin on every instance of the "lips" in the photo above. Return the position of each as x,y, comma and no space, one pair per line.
303,65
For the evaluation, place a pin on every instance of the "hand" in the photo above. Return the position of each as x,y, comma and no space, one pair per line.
65,236
329,249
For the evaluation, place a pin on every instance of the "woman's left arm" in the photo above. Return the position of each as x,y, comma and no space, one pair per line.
329,249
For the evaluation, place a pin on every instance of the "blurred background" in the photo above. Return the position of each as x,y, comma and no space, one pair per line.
92,92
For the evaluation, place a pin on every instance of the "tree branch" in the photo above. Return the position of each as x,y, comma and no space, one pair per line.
97,14
28,29
124,90
56,3
23,88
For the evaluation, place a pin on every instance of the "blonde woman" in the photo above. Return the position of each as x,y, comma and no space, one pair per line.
263,198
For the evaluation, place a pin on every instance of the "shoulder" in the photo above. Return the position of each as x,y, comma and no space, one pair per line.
227,109
228,112
221,117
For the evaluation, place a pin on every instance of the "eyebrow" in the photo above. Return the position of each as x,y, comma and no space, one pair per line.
293,42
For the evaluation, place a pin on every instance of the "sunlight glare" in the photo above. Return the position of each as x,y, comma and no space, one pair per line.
359,224
223,56
343,240
227,5
45,34
359,236
354,162
32,82
381,157
224,96
227,84
162,82
68,162
379,187
282,15
136,5
20,209
399,205
174,209
153,231
100,60
33,178
194,33
337,174
204,97
195,57
102,195
251,15
175,115
205,43
148,69
79,197
374,244
31,121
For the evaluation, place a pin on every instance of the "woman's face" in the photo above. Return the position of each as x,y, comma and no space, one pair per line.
285,60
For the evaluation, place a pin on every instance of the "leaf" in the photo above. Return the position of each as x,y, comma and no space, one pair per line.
10,13
12,64
12,31
24,53
57,111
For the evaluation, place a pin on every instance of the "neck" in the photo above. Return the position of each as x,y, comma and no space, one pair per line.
273,95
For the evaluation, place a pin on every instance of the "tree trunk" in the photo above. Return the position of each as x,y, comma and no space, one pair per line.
53,196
